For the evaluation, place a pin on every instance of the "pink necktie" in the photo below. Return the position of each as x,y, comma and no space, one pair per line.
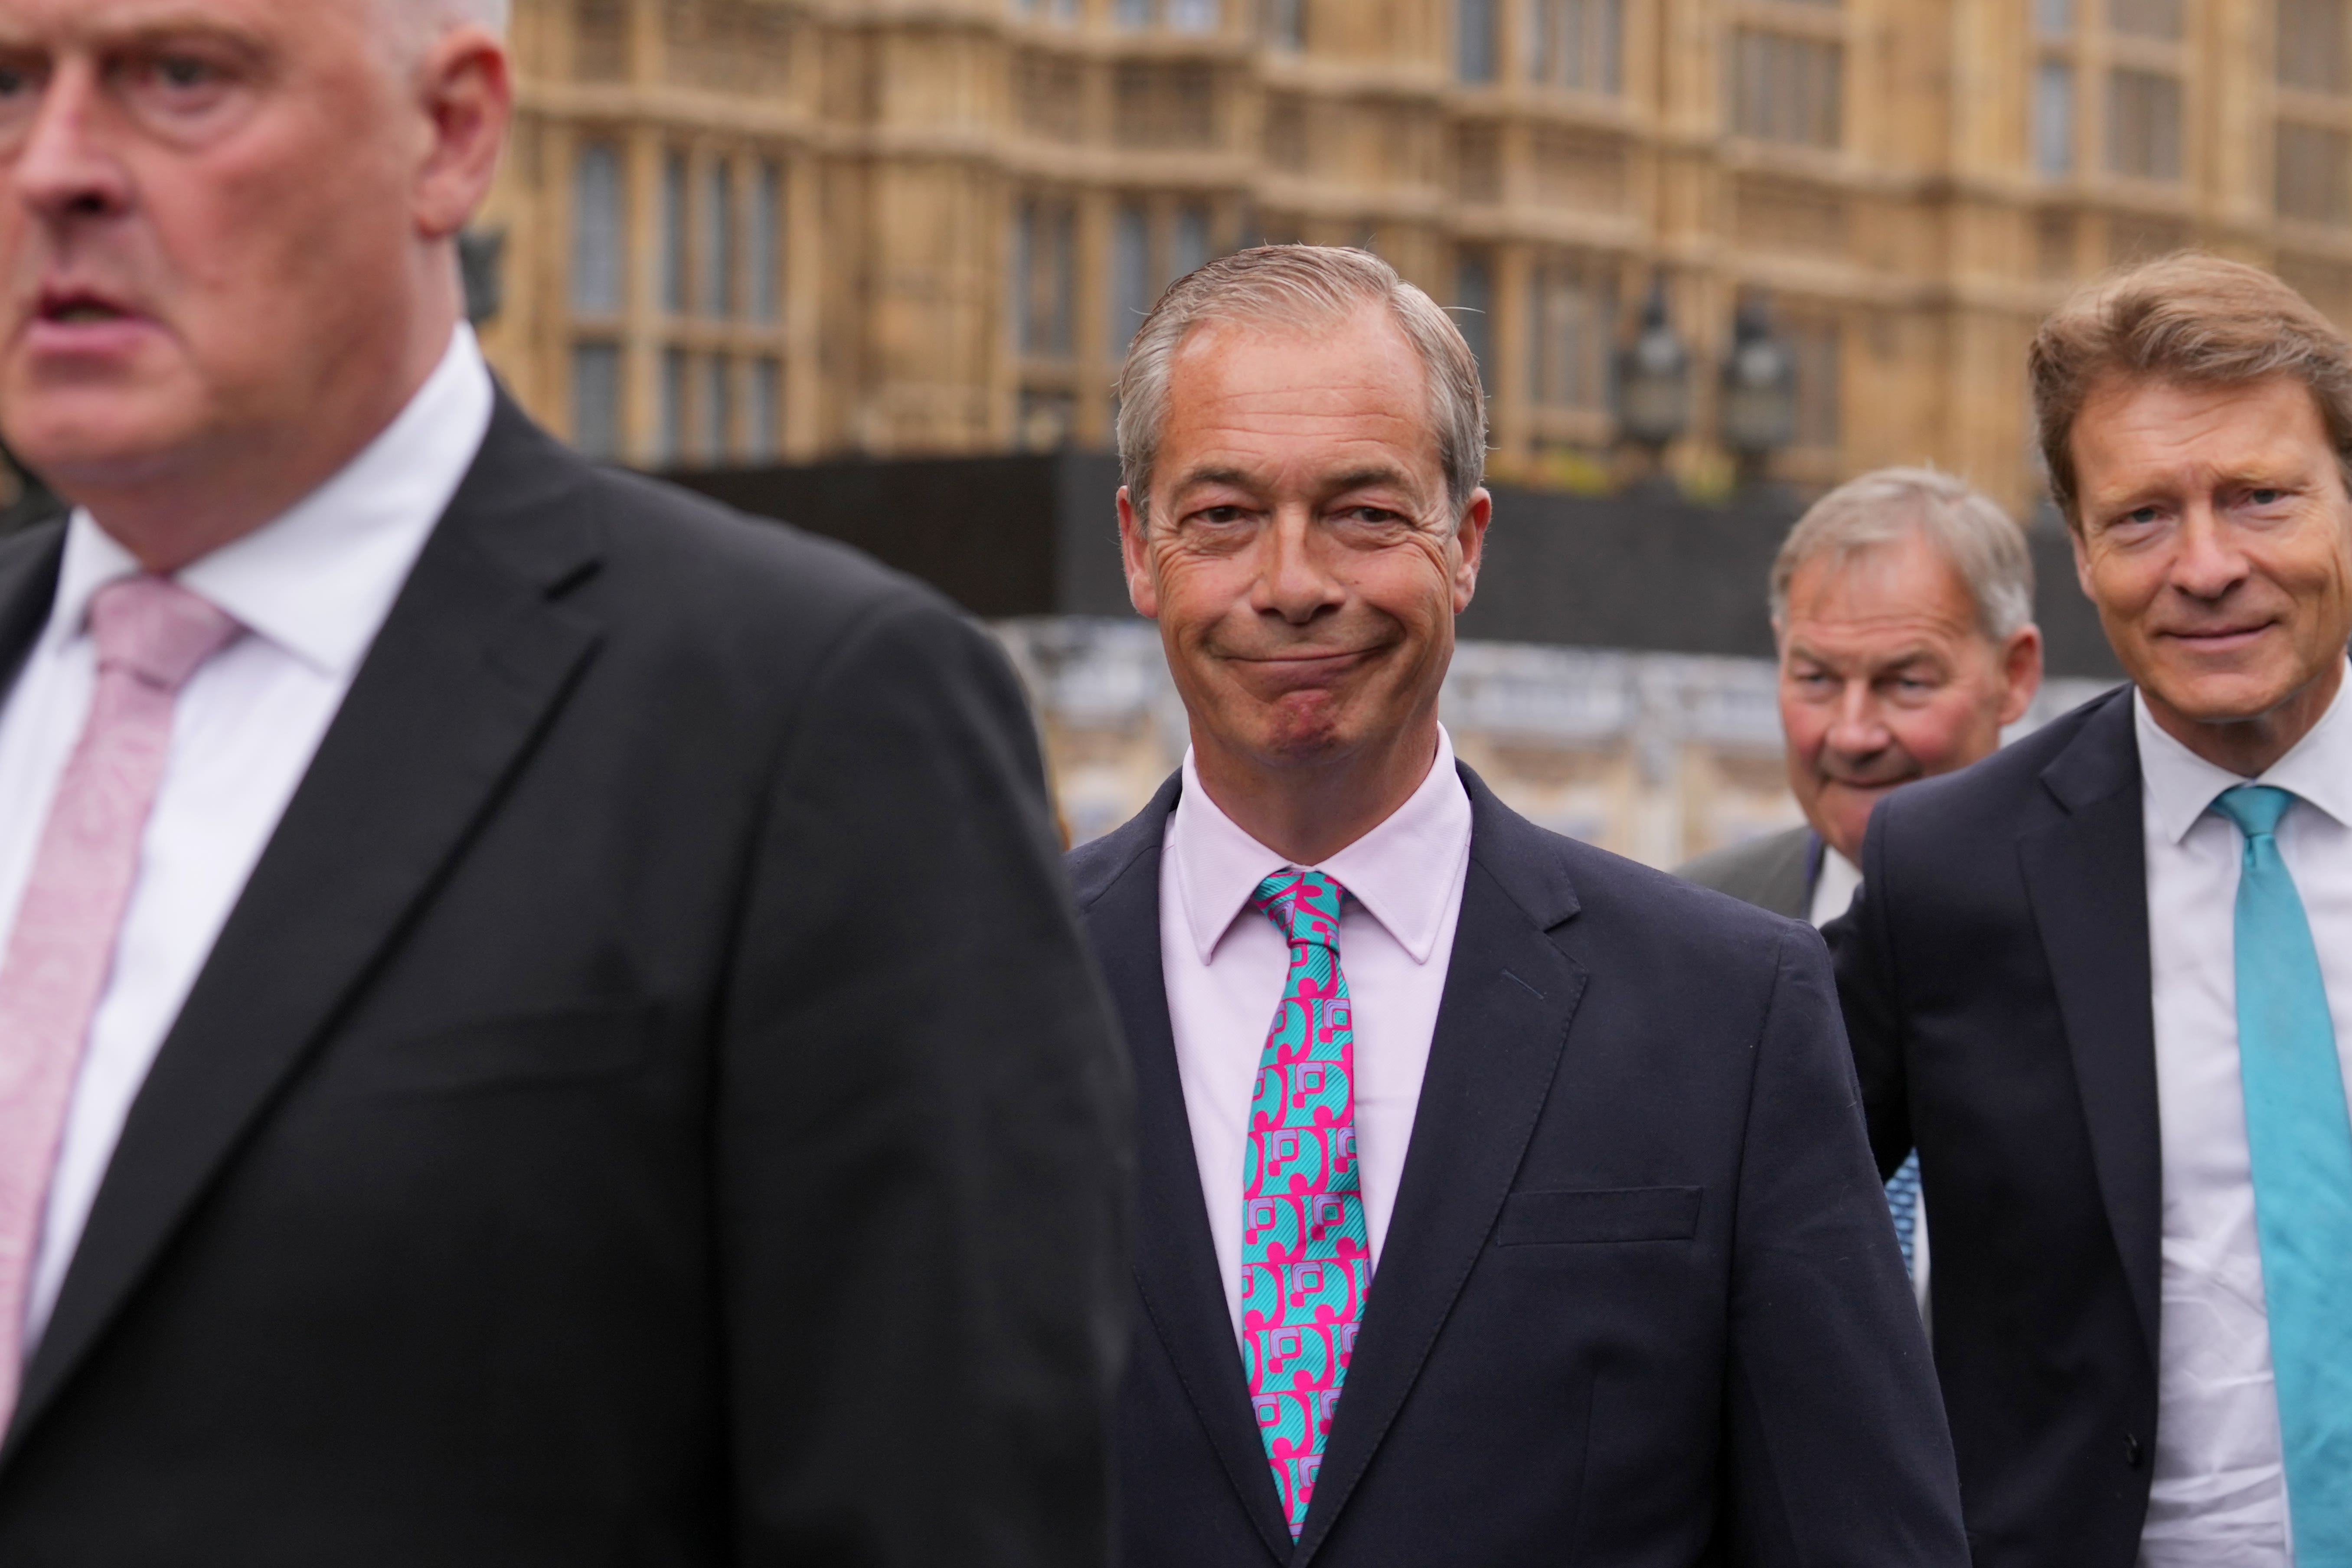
152,634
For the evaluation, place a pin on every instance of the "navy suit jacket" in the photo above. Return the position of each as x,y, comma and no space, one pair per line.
1995,977
1639,1300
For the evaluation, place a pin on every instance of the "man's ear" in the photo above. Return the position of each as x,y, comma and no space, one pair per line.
1472,536
2020,668
2081,560
466,92
1136,554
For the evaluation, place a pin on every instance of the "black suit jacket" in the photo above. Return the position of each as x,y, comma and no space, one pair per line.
650,1104
1639,1300
1995,977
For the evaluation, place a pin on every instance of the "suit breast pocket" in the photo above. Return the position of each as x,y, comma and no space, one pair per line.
528,1050
1599,1215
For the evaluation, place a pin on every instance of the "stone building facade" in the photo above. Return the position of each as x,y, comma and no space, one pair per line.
747,230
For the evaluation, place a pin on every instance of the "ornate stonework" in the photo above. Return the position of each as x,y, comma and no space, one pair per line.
740,229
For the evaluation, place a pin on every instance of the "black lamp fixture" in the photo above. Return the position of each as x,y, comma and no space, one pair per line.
1653,380
1759,391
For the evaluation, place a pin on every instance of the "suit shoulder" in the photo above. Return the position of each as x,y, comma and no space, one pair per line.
1630,902
1987,795
1097,864
656,527
1750,870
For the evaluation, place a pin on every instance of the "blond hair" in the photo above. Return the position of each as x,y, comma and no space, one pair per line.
1300,286
2191,319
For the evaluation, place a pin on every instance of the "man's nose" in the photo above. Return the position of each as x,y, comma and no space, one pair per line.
1295,581
1856,727
2207,563
63,169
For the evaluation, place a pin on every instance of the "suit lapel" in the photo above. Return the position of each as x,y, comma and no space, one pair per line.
1510,996
28,590
1176,1261
466,672
2086,878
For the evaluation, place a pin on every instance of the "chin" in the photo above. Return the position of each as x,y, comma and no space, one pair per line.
96,439
1293,740
2230,699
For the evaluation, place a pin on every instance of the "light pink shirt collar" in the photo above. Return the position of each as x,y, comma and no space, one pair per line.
1401,871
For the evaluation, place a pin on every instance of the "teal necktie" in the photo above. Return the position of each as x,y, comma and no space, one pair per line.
2301,1141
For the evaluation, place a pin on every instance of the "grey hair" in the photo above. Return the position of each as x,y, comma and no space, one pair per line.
1982,542
493,14
417,22
1300,286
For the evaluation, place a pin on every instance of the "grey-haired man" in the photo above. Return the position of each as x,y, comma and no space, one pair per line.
1502,1202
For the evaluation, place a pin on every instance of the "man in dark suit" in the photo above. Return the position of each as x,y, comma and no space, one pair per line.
539,1020
1538,1224
2101,982
1902,606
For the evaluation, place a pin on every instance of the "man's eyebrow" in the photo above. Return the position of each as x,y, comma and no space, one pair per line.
1233,477
165,22
1366,478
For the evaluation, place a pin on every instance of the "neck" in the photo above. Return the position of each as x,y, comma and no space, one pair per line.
2248,747
182,508
1309,812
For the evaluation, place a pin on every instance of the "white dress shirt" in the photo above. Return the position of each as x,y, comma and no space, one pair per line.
1835,885
1226,966
2219,1492
311,589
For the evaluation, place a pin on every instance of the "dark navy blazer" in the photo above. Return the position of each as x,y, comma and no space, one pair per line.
1640,1301
1995,977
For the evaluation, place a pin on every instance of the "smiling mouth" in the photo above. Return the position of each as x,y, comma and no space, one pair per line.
2218,634
1305,657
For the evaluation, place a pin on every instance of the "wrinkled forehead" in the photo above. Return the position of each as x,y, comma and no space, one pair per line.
273,26
1892,587
1308,373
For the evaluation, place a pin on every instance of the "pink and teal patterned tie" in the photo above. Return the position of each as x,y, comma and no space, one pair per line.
1307,1260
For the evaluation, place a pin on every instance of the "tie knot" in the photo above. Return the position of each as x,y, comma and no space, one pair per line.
152,628
1303,905
2255,808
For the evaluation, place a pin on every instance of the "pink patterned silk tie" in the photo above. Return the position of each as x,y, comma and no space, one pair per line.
152,634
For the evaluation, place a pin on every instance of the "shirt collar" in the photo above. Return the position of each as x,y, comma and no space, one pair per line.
318,580
2181,786
1392,870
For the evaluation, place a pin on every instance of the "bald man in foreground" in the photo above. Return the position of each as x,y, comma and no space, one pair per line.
539,1020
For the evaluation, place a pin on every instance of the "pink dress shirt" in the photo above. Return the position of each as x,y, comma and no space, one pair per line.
1224,975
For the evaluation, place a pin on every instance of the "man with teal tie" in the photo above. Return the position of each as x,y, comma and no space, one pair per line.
2103,982
1499,1201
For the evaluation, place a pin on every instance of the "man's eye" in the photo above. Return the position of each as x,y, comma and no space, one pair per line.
15,81
183,71
2265,497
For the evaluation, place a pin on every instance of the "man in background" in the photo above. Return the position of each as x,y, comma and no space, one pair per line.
1902,606
539,1020
1501,1202
2102,982
1903,610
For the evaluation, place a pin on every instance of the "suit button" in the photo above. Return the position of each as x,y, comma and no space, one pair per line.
2132,1449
